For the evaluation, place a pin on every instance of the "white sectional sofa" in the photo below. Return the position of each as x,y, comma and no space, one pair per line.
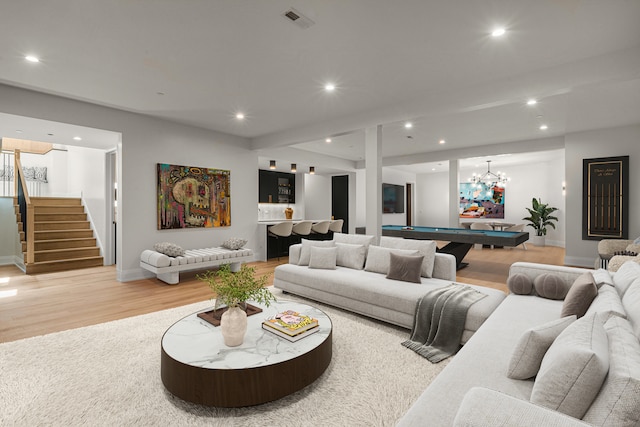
358,283
474,389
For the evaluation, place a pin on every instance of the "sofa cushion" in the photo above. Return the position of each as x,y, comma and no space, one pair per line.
618,402
520,284
607,303
406,268
354,239
234,243
532,346
155,258
631,304
427,248
378,258
574,368
626,274
305,252
580,296
550,286
602,277
324,258
351,256
169,249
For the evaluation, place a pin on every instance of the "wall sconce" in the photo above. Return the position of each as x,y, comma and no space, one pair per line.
312,170
293,167
272,164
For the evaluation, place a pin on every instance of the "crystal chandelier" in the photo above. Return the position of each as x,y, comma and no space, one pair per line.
489,178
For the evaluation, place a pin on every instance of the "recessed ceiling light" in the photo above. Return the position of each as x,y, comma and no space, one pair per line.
328,140
329,87
408,125
532,101
442,141
18,131
240,116
498,32
77,138
433,169
32,58
160,93
544,127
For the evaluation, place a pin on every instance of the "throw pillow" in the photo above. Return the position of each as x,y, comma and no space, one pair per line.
607,303
619,398
305,252
351,256
426,247
625,275
234,243
169,249
406,268
354,239
520,284
580,296
40,173
378,258
602,277
550,286
574,368
532,346
324,258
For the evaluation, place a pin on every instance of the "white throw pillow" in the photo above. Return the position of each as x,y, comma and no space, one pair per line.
532,346
351,256
354,239
170,249
324,258
305,252
602,277
234,243
618,403
427,248
574,368
626,274
607,303
378,258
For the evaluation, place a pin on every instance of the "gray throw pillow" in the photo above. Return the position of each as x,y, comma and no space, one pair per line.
323,258
406,268
351,256
169,249
520,284
574,368
427,248
580,296
550,286
234,243
532,346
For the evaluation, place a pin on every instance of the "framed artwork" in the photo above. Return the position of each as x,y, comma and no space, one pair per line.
605,207
481,201
193,197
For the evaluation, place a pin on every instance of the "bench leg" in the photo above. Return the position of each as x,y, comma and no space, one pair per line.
170,278
235,266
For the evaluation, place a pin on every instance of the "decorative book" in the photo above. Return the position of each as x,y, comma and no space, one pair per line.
291,338
290,323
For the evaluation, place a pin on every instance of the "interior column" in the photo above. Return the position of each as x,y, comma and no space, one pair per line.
373,171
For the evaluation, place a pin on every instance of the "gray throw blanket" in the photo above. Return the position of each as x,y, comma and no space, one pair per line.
439,321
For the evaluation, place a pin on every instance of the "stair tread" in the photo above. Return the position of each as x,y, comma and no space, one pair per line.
83,248
60,261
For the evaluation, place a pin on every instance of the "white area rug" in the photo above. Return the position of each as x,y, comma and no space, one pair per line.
109,374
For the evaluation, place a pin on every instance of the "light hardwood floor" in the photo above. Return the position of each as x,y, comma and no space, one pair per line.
40,304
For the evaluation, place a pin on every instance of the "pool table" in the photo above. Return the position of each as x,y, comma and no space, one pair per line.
460,239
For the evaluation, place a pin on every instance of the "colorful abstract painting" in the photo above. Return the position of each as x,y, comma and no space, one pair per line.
193,197
481,201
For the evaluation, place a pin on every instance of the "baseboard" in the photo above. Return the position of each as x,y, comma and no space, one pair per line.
12,260
579,261
558,243
133,274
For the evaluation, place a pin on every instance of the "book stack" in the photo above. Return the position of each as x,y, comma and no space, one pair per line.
291,325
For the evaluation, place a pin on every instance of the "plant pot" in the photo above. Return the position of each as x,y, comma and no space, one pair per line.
233,325
538,240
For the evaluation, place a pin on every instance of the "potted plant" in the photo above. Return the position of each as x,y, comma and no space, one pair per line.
540,218
233,290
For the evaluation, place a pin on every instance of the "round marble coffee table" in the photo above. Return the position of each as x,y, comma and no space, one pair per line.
196,365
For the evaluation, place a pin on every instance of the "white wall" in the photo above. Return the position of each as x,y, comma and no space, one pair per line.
317,200
9,241
145,142
612,142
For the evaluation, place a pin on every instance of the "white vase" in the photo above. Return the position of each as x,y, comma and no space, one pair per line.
538,240
233,325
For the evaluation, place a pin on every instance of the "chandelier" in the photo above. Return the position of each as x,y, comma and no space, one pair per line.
489,178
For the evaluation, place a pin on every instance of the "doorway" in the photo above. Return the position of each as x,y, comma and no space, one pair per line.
340,199
409,198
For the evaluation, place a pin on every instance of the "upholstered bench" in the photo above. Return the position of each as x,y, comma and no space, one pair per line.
168,268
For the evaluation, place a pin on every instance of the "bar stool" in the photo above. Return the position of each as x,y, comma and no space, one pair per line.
301,229
336,225
280,232
320,229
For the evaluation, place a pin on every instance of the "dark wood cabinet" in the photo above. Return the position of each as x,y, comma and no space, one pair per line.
276,187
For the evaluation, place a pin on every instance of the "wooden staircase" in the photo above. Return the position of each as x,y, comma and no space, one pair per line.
63,238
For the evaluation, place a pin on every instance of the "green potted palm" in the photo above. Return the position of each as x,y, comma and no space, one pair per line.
539,219
234,290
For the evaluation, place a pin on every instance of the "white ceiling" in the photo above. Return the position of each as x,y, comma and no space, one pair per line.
430,62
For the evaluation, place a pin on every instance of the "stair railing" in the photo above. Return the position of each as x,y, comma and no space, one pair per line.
26,209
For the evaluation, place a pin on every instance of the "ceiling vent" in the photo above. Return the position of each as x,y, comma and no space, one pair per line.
298,18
